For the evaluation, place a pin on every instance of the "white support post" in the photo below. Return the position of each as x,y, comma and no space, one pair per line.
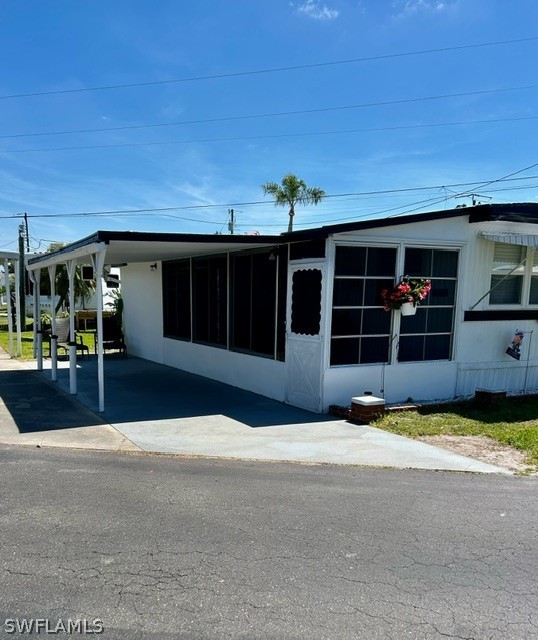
35,276
71,265
53,337
9,308
18,308
98,261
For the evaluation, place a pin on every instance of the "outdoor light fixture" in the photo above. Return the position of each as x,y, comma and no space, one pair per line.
153,266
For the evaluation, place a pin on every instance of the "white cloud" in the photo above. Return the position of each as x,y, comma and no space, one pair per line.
317,11
407,7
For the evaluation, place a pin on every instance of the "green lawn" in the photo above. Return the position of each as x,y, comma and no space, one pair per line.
28,340
513,421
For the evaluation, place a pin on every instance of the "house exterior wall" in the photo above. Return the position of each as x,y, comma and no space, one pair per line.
143,310
479,359
143,329
478,354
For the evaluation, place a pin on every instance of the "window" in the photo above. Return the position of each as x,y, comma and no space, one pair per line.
177,299
254,303
507,274
428,334
205,301
360,327
210,300
514,275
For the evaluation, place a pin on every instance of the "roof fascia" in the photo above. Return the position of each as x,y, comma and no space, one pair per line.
71,252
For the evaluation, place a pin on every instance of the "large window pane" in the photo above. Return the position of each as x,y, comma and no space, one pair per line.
263,303
177,299
505,289
437,348
442,293
375,322
374,350
445,264
348,292
418,262
373,289
381,261
411,349
345,351
350,261
439,320
416,323
241,301
346,322
253,303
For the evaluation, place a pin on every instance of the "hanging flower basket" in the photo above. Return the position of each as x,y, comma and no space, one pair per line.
406,295
408,309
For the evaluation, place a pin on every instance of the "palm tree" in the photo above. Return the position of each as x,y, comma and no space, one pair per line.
292,191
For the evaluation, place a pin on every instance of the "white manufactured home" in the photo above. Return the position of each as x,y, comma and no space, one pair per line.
299,317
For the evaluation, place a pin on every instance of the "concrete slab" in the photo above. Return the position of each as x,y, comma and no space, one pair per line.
35,412
162,409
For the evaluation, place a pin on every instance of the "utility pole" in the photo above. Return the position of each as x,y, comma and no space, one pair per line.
231,223
22,273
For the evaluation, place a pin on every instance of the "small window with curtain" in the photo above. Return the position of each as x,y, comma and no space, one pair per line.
507,274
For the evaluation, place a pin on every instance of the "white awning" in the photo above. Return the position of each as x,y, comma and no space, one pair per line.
522,239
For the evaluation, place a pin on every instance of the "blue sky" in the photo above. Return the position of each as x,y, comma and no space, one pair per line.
213,149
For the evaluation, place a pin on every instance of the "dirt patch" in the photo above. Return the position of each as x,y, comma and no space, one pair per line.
481,448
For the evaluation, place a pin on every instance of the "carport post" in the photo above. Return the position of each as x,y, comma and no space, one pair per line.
9,309
35,276
71,265
18,308
53,337
98,261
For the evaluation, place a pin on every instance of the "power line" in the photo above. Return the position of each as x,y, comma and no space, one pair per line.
304,134
167,210
271,115
253,72
283,135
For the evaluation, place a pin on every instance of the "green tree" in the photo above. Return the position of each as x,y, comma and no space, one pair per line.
292,191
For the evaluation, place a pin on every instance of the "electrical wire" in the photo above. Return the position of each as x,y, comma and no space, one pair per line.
279,114
237,74
384,192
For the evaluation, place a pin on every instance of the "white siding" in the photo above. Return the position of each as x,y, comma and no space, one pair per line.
479,359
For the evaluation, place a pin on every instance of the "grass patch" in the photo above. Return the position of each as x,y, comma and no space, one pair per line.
27,339
512,421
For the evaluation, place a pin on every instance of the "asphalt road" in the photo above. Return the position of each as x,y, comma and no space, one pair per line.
155,547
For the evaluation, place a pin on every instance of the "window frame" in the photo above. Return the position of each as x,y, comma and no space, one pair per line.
395,325
531,263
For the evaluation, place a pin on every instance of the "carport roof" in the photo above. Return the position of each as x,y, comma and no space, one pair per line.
135,246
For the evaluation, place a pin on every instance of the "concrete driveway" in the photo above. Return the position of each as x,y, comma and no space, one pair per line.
154,408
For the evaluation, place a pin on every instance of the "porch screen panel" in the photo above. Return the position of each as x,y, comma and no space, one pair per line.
177,299
428,334
210,291
360,330
254,303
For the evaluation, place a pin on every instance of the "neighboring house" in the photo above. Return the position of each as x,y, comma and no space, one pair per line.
299,318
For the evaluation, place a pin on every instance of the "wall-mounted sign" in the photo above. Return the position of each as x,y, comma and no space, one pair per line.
514,350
